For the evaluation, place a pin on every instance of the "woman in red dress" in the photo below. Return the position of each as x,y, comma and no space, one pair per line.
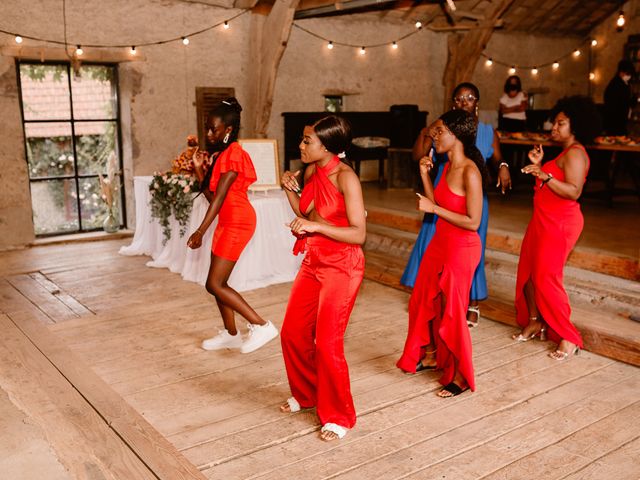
541,300
438,336
331,228
231,176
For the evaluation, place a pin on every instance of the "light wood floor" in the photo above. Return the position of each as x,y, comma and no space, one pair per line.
101,376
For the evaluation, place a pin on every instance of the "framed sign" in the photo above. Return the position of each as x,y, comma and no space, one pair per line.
264,155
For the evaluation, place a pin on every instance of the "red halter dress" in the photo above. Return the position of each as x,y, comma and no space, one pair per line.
236,218
447,268
321,301
552,233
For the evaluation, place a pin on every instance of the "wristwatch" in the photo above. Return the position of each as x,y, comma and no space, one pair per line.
549,177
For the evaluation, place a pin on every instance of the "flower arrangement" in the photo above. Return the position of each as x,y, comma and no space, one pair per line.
172,193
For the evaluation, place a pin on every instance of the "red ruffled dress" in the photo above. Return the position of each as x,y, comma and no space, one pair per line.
237,218
552,233
447,268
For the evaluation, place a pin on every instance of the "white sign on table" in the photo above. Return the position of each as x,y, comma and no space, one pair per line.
264,155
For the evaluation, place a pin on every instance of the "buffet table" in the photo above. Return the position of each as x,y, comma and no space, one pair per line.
266,260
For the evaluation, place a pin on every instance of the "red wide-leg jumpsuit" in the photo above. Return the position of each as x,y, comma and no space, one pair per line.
237,218
320,304
447,269
552,233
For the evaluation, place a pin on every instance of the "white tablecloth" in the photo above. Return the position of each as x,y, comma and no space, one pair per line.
266,260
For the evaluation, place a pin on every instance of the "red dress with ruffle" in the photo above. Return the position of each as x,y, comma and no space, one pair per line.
447,268
236,218
552,233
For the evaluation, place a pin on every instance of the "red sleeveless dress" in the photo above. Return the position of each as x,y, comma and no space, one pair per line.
236,218
320,304
552,233
447,268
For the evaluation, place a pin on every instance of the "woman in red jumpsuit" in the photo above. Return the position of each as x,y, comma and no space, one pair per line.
541,300
231,176
438,336
330,226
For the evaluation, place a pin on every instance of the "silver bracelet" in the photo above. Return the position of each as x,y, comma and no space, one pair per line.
505,164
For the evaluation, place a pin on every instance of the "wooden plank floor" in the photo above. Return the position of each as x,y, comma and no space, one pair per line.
139,329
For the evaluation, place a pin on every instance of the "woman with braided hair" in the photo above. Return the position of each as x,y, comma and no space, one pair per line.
438,336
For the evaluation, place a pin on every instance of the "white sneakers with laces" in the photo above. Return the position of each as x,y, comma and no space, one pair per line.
258,336
223,340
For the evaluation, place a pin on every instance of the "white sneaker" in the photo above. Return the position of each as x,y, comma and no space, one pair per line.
222,340
258,336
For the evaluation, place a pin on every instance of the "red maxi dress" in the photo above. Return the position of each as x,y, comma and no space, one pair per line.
447,268
552,233
237,218
321,301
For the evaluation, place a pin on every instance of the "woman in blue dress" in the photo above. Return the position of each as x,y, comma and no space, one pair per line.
465,97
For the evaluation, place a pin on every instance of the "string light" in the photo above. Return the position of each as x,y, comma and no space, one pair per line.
18,39
592,76
185,40
418,24
594,43
79,51
330,45
534,71
577,53
556,65
362,51
620,21
394,45
132,50
489,62
512,71
226,25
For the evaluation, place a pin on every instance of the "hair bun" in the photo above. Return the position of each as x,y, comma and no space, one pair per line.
233,103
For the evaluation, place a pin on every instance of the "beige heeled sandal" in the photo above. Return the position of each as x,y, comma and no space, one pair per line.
542,333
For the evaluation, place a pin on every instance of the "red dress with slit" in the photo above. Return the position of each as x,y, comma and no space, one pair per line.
236,218
552,233
321,301
447,269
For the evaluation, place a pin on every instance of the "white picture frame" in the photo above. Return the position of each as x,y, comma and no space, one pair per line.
264,155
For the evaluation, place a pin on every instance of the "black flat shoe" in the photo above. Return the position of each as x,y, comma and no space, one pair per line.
454,389
421,368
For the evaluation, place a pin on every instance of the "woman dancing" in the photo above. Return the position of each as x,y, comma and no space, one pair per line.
231,176
438,336
554,228
330,226
465,97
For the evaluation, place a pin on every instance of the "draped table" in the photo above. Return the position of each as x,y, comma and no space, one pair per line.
266,260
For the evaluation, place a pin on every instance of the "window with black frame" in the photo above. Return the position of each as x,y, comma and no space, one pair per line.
72,136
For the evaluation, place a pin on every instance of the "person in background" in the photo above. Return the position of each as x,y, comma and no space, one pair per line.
618,100
465,97
513,106
556,223
231,176
330,226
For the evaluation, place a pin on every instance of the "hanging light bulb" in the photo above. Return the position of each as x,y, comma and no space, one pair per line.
592,76
512,71
18,39
362,51
394,45
132,50
620,21
226,25
555,65
185,40
534,71
79,51
577,53
489,62
330,45
418,24
594,43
